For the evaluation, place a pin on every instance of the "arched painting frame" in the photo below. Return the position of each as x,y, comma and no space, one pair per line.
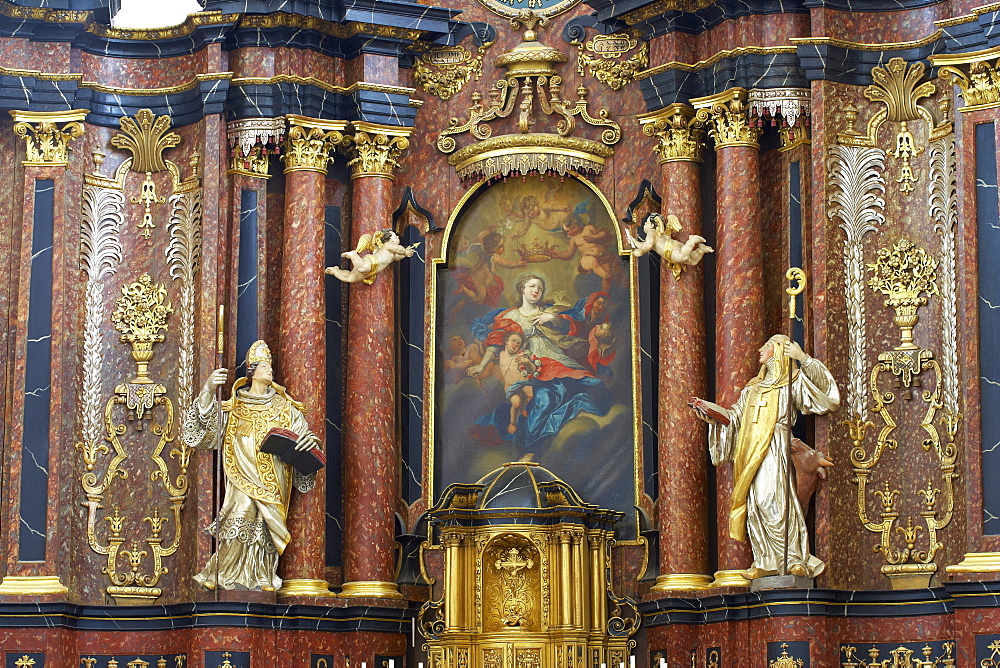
577,382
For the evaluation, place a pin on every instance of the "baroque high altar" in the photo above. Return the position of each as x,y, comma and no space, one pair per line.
500,334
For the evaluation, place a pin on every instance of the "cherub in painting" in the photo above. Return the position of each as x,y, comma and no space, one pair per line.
385,249
517,368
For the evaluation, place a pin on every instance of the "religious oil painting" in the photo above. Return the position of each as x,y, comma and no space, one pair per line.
534,342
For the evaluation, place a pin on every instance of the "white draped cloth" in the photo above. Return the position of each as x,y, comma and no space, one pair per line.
251,529
813,391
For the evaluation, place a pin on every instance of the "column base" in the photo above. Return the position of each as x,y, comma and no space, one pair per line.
682,582
977,562
305,587
14,585
732,578
370,589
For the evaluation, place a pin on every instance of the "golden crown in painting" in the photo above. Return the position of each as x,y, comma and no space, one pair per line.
259,352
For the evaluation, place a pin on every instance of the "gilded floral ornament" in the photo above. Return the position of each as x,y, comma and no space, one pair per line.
375,150
679,133
310,143
140,316
604,56
904,273
146,137
786,661
46,143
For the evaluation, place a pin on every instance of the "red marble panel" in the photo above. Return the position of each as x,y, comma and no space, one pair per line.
739,306
371,480
683,476
142,72
23,54
302,356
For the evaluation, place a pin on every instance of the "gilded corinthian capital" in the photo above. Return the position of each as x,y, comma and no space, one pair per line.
47,144
678,133
311,142
728,119
375,150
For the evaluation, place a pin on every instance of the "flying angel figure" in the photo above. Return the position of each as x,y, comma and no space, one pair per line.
659,238
385,249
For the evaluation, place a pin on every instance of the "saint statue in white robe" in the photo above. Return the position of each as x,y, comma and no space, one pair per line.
763,502
251,529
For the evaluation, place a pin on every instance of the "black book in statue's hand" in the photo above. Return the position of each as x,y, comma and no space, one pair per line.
281,442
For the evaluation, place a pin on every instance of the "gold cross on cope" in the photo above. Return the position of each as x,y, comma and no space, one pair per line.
761,403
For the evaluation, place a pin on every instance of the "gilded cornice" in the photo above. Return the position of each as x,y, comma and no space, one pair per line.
522,153
728,119
190,25
714,59
167,90
967,18
868,46
678,133
331,88
664,6
375,150
341,30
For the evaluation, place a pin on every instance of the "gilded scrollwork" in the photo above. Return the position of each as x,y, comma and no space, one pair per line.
906,274
531,85
310,143
604,56
140,316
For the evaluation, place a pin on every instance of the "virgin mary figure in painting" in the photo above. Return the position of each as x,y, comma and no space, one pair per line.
555,387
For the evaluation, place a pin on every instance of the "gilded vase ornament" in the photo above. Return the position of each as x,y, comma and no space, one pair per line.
140,316
904,273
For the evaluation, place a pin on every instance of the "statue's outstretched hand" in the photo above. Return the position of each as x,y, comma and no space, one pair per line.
307,441
214,380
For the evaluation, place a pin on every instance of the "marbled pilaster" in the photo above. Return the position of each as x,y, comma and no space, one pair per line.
739,301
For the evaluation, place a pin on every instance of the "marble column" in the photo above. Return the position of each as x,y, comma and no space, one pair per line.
371,457
308,147
35,539
683,474
739,298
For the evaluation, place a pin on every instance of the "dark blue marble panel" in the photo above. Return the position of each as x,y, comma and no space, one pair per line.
988,233
247,283
649,366
410,314
334,389
988,651
794,649
24,660
37,381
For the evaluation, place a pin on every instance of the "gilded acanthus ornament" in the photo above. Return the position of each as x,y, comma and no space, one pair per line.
46,143
604,56
896,85
978,82
375,150
310,143
728,119
146,137
904,273
678,133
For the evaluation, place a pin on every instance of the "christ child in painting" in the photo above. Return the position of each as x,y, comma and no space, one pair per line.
517,367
